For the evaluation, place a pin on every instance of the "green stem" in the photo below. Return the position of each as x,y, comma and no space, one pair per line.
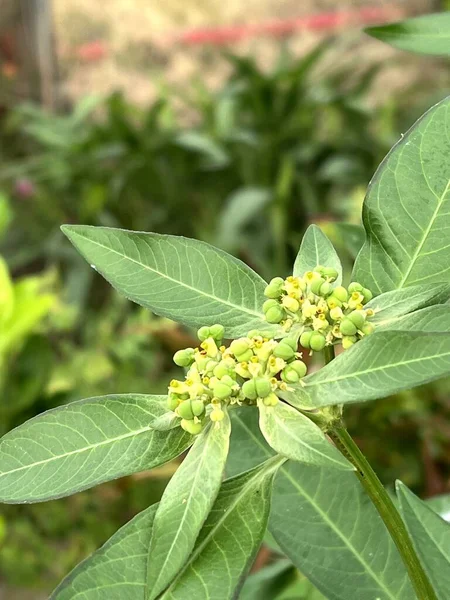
386,509
383,503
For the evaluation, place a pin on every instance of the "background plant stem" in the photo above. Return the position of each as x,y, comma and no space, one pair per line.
383,503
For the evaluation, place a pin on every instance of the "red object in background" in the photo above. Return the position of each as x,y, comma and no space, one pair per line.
91,51
281,28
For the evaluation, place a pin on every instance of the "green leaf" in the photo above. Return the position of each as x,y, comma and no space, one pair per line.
396,303
183,279
440,505
381,364
352,236
77,446
292,434
229,539
266,583
406,209
6,293
431,538
117,570
316,249
427,34
324,522
432,319
185,505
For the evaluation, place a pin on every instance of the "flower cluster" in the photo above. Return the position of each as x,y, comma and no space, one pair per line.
324,314
250,368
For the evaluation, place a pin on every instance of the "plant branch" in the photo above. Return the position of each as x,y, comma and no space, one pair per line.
387,510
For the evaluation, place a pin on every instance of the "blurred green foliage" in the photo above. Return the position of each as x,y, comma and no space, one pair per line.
246,168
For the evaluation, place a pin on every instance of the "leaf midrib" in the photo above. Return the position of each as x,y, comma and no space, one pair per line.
135,433
177,281
264,472
425,236
384,367
324,515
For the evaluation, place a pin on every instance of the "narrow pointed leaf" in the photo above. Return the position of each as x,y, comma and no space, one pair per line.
77,446
316,249
427,34
432,319
293,435
186,280
230,538
185,506
441,506
388,307
406,210
117,570
431,538
325,524
381,364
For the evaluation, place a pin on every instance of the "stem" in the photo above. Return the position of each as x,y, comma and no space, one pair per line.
383,503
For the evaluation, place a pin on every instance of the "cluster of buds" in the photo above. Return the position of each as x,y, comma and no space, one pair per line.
322,313
250,368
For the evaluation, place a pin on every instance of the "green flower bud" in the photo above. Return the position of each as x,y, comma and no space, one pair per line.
292,342
184,358
172,402
317,341
290,304
348,327
263,387
333,302
271,400
367,328
340,293
305,339
293,372
191,427
330,273
203,333
249,389
210,366
185,410
319,269
325,289
245,357
221,369
336,313
197,407
222,390
300,367
348,341
254,333
275,314
284,350
358,317
217,332
269,304
275,288
316,284
367,294
355,287
239,346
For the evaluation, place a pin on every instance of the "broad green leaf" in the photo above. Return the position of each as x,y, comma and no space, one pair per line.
180,278
381,364
352,237
185,505
440,505
396,303
427,34
166,422
316,249
229,539
292,434
117,570
324,522
432,319
431,538
406,209
77,446
269,582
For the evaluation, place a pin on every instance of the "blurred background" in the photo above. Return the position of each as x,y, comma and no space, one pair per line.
235,123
